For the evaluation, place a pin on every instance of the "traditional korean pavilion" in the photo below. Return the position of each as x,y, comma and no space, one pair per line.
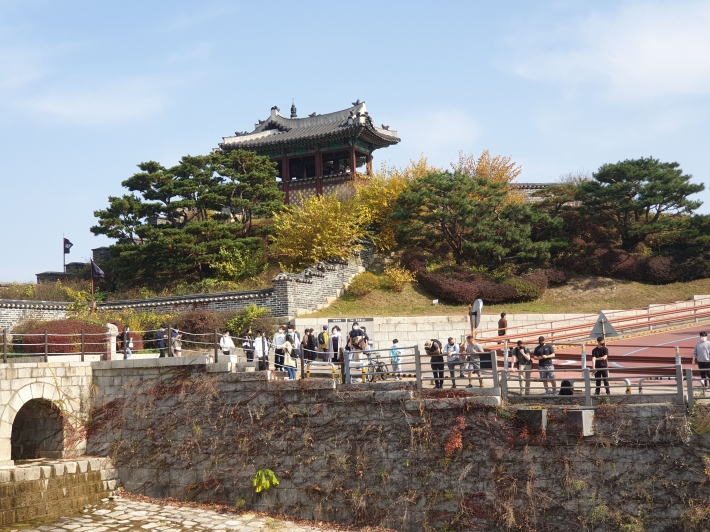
317,154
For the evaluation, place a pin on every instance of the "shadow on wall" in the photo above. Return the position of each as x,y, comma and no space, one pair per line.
37,431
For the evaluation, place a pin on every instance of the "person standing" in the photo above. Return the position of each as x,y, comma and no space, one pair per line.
334,343
176,343
600,356
502,324
522,355
289,362
311,347
226,344
433,349
261,350
323,343
544,353
396,359
473,360
248,346
701,354
356,341
126,342
160,340
296,341
279,339
451,350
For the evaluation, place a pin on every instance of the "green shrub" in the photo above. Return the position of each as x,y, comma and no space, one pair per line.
524,290
363,284
251,317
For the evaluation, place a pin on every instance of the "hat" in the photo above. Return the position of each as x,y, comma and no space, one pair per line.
325,327
427,343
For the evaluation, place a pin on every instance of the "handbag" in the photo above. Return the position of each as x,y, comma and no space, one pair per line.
130,343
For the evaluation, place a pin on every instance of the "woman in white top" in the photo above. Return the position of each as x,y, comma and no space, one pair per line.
226,343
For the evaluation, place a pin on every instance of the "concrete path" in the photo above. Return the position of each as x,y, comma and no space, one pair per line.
123,515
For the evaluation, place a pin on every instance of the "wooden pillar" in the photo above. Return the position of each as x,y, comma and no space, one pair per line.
319,164
369,164
352,161
285,176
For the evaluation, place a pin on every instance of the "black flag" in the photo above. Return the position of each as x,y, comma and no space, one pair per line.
96,272
67,246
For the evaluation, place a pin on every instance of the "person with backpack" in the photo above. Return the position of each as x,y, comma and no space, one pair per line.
323,343
433,350
600,355
296,341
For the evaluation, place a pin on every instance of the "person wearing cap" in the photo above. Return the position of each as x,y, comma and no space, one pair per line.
522,355
451,350
544,353
433,349
701,354
323,343
600,357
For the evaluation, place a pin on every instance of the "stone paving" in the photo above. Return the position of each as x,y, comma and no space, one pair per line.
122,515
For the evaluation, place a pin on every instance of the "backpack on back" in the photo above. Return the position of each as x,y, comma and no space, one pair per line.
321,339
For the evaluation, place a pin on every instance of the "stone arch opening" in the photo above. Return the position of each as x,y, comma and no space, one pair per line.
37,431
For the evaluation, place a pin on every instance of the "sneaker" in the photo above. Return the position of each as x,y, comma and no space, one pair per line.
469,386
547,392
555,392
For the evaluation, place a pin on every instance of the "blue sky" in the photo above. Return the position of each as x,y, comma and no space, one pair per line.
90,89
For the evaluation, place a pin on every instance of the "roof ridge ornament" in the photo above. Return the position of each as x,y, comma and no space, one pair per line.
357,102
293,110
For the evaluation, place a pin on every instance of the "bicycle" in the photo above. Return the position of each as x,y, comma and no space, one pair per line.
376,369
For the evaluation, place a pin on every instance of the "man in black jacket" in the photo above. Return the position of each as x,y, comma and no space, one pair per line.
600,355
433,349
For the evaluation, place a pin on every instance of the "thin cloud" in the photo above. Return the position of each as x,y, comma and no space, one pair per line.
439,134
19,67
642,51
108,104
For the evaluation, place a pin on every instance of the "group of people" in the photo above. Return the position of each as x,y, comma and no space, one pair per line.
467,358
172,346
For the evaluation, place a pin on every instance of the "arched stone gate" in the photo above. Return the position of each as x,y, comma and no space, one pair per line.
47,403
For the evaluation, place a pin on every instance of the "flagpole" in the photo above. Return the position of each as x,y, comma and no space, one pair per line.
93,303
64,256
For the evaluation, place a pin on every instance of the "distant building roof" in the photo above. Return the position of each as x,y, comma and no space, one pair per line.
278,131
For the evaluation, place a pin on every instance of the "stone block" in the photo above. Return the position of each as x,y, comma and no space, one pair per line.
70,467
25,474
580,421
533,418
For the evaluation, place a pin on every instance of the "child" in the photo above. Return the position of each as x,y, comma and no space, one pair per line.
396,358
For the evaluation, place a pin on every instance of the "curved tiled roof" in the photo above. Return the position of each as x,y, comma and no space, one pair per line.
278,130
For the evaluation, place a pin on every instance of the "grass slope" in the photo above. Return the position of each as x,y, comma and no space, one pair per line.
579,295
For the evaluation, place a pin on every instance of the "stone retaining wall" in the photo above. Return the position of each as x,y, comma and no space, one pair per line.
51,489
393,456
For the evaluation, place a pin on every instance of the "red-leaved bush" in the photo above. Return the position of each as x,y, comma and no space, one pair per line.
63,336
